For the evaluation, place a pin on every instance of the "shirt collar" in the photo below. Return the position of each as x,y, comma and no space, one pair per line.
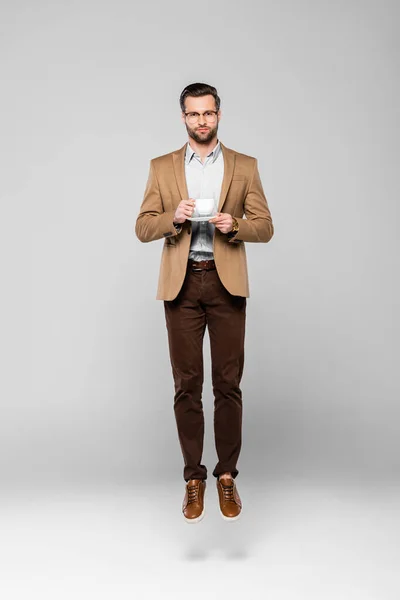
214,153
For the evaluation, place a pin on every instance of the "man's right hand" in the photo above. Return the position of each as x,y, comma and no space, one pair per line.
184,210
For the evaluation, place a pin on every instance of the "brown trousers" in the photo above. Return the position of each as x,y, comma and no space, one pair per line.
203,300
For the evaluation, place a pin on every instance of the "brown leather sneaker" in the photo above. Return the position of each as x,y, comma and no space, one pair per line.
193,503
230,505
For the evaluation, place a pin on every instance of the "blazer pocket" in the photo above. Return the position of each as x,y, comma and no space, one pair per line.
238,178
170,242
234,242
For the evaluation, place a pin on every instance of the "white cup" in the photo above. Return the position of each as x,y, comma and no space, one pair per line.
204,206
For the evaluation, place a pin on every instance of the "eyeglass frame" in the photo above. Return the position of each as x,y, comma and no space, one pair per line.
201,114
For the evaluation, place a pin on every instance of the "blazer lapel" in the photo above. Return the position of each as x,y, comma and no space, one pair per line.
179,169
229,165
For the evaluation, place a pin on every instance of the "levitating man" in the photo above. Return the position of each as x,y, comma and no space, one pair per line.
203,281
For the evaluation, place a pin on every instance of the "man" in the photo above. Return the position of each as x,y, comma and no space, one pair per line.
203,282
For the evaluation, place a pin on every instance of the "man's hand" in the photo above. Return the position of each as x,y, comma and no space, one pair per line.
184,210
223,221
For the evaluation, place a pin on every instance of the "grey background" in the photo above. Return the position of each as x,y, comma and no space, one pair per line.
90,94
90,465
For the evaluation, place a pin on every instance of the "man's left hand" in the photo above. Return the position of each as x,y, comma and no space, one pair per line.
223,221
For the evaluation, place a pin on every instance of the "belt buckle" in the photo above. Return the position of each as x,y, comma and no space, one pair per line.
195,268
206,267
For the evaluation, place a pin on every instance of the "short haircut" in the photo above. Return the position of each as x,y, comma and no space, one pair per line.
199,89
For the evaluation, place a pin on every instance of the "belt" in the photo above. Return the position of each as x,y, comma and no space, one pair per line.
201,265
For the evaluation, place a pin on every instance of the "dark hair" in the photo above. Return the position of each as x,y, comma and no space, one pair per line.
199,89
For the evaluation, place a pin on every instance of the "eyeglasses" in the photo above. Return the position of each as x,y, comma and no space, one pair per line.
209,115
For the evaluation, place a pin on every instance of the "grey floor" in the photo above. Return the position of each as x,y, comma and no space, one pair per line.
296,539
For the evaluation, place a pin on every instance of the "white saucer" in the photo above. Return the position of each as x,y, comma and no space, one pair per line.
201,218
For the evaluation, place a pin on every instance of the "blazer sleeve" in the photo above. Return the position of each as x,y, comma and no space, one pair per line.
257,226
153,222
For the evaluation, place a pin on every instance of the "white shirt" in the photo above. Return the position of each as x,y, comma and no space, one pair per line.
204,180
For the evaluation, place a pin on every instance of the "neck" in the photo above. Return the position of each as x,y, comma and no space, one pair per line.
203,149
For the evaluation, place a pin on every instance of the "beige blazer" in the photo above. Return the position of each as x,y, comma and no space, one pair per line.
241,195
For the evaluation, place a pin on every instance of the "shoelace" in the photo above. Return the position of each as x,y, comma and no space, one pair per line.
228,491
192,493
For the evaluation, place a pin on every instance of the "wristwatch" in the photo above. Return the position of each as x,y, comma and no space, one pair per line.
235,228
178,226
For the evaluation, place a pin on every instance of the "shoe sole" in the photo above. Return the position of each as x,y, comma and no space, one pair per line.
200,517
225,518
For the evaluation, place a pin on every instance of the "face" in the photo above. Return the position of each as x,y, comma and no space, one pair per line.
195,130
